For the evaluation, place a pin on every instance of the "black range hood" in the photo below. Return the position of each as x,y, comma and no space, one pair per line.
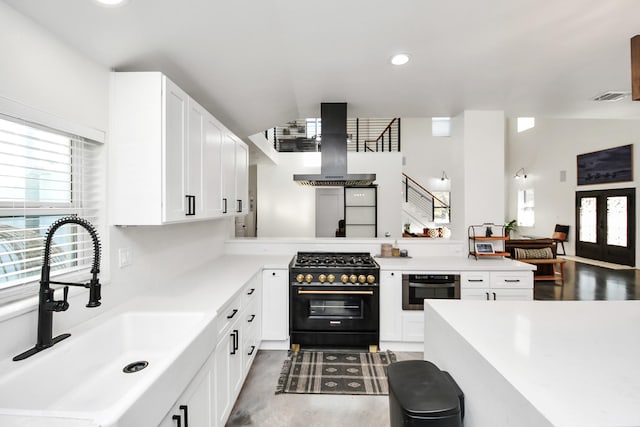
333,167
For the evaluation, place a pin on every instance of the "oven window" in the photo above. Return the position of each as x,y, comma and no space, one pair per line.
435,292
348,308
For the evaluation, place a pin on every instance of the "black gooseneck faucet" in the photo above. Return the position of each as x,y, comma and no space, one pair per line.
47,305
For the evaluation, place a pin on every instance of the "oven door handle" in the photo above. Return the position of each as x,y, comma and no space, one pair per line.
303,292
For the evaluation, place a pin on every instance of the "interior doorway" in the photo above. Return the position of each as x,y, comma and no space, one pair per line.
606,225
329,210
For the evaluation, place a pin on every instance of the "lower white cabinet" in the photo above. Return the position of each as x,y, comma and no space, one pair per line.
275,308
391,322
194,407
499,285
413,326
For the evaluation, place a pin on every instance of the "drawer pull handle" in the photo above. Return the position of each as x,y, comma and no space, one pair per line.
178,420
475,280
184,408
251,291
512,280
233,313
253,316
253,348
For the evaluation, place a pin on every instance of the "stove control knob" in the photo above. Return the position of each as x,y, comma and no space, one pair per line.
371,278
331,278
308,278
362,278
322,278
353,278
344,278
300,278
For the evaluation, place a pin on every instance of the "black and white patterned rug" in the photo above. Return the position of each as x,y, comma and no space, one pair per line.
317,372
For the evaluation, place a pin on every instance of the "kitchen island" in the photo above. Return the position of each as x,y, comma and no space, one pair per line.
539,363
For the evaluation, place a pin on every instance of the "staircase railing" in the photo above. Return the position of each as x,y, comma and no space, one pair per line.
420,197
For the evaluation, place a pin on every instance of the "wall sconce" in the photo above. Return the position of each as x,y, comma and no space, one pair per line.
444,176
520,174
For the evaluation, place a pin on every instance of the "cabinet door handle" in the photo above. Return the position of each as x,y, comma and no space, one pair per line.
224,205
487,294
191,205
253,348
184,409
251,291
253,316
494,295
178,420
239,205
233,313
512,280
233,338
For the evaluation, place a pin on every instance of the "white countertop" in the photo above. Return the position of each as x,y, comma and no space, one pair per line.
452,264
576,362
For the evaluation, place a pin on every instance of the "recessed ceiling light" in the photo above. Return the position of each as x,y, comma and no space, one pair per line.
400,59
111,3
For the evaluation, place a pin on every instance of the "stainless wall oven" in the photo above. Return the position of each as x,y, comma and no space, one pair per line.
418,287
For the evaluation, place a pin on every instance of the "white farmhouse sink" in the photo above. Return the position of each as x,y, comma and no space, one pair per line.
82,377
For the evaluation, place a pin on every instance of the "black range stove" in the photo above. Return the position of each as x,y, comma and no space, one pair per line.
334,300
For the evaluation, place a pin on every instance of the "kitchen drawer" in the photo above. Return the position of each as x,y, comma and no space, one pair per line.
229,313
251,291
474,280
512,279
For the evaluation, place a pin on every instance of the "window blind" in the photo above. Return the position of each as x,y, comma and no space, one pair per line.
44,175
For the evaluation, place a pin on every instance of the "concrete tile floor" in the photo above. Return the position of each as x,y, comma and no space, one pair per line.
258,405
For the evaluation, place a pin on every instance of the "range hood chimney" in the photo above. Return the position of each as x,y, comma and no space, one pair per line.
333,167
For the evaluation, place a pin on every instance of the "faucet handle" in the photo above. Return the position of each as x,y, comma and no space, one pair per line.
64,304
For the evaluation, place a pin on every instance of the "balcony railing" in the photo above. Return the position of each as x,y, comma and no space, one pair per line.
362,135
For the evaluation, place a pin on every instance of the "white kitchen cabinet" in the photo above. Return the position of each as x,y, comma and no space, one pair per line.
165,154
242,177
500,285
390,305
275,308
194,406
413,326
235,171
238,331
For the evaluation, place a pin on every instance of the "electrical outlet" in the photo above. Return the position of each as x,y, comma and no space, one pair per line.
125,257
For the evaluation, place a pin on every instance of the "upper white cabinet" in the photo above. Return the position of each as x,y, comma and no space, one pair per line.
167,155
235,176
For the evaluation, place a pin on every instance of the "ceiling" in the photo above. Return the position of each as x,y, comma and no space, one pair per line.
258,63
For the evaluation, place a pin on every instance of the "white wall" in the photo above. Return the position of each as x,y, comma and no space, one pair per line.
551,147
286,209
46,75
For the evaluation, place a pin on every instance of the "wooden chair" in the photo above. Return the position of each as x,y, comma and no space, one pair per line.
560,234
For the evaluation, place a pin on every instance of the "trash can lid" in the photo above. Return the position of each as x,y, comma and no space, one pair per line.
422,389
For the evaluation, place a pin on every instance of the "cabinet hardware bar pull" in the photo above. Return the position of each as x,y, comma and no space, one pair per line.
184,409
237,341
233,338
494,296
487,294
178,420
253,316
475,280
239,205
253,348
233,313
251,291
224,204
301,292
512,280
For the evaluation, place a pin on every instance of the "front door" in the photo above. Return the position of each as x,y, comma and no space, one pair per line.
605,225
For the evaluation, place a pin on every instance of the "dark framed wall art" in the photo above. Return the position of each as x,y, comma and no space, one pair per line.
610,165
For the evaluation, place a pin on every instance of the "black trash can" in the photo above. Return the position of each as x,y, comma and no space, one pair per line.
421,395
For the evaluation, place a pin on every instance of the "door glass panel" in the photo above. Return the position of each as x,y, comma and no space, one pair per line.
588,220
617,221
350,308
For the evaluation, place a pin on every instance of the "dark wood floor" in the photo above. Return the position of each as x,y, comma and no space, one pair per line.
585,282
